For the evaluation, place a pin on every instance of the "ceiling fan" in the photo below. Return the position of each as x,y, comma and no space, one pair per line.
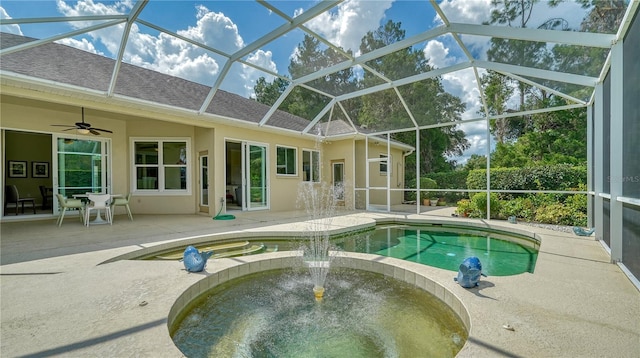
83,127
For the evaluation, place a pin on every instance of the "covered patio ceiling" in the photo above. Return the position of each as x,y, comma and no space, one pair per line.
453,35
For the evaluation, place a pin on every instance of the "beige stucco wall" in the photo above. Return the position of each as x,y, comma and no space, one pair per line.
340,151
282,189
37,116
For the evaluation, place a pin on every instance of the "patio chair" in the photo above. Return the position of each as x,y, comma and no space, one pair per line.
69,204
47,196
13,196
97,202
122,202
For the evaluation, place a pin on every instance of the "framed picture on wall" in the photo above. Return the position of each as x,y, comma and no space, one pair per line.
17,169
40,170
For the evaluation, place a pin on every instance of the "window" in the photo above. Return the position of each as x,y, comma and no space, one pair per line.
311,165
385,162
161,165
286,160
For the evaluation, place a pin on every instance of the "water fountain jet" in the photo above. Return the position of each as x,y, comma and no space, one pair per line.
319,202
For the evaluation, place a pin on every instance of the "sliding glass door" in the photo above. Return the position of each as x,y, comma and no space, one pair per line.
80,166
256,174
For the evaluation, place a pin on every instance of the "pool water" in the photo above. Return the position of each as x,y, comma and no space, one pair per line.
446,249
501,254
274,314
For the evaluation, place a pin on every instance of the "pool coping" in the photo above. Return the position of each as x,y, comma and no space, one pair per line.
412,274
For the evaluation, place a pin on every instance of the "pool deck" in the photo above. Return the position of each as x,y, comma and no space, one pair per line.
56,298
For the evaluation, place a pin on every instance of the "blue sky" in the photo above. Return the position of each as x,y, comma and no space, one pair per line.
230,25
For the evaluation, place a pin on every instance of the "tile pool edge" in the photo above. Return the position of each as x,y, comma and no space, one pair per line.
231,268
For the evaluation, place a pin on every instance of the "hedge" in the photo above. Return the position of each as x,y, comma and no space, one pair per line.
450,180
549,177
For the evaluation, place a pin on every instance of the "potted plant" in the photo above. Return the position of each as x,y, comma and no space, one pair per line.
426,196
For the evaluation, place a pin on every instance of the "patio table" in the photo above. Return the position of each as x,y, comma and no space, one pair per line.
98,219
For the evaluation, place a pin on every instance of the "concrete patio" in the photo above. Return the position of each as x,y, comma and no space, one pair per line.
58,300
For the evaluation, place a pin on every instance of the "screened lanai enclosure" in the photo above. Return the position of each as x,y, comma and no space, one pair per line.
498,109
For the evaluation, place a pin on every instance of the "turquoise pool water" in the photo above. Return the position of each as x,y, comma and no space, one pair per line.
446,249
501,254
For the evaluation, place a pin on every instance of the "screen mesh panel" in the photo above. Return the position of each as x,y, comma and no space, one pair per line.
606,134
631,112
631,238
606,224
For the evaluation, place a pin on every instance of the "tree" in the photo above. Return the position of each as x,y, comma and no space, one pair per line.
604,17
304,102
499,89
383,110
476,161
268,93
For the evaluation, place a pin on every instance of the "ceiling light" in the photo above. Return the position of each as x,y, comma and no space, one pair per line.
83,131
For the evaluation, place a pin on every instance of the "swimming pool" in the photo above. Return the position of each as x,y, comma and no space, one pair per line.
501,253
444,248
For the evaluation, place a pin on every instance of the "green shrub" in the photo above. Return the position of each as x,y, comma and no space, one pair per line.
560,214
425,183
450,180
522,208
479,205
464,207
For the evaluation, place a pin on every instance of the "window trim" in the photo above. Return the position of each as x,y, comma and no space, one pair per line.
161,166
295,162
388,163
311,151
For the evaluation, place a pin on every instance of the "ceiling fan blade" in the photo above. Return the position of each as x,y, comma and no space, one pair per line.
69,129
102,130
93,131
62,125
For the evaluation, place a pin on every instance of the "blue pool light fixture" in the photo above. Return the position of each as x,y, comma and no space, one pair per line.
194,260
469,272
583,232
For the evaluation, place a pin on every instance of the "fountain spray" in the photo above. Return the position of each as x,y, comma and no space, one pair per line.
319,201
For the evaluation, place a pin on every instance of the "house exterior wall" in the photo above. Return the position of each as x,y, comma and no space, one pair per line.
376,178
280,187
156,203
341,151
31,115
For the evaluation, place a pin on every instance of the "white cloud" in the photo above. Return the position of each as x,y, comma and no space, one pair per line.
466,11
12,29
471,12
347,25
463,85
437,54
216,30
476,134
83,44
172,56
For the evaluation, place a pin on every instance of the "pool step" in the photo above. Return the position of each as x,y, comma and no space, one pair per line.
250,250
216,248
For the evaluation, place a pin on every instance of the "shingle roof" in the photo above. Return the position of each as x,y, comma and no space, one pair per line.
68,65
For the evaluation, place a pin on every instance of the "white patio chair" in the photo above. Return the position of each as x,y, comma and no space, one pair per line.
97,202
68,203
122,202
